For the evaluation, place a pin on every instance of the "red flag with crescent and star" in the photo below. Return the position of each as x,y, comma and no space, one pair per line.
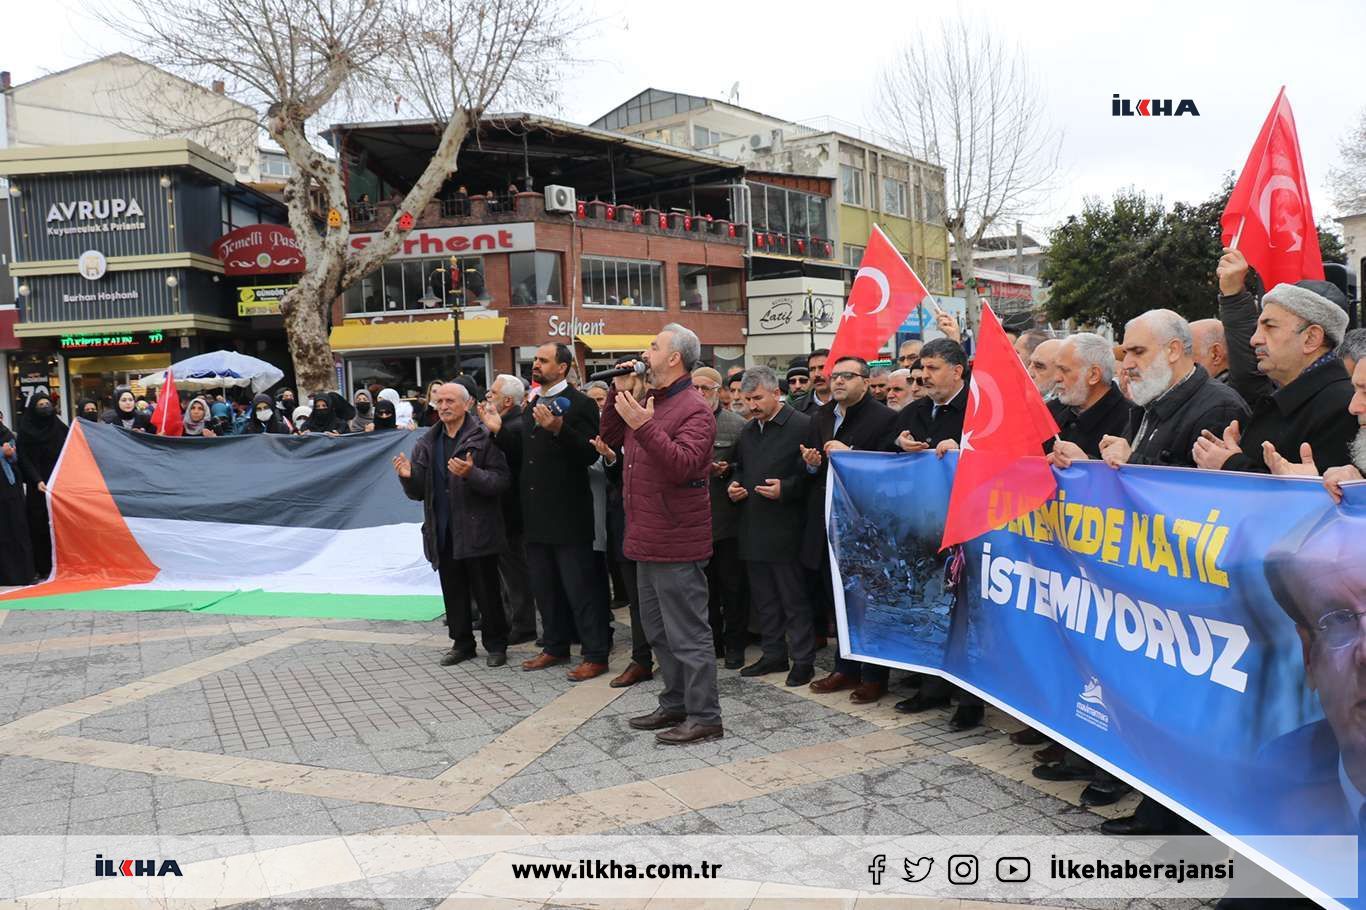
1268,217
1002,473
884,293
166,416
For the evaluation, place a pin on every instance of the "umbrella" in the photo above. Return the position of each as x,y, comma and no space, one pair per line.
218,369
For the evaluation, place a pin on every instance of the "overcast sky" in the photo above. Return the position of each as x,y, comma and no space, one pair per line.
803,60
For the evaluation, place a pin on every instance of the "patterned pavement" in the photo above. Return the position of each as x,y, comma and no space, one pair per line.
177,724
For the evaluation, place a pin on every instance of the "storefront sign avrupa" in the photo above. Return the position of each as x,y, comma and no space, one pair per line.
111,340
426,243
104,212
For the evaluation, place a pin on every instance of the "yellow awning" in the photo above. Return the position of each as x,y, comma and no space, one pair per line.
612,344
431,333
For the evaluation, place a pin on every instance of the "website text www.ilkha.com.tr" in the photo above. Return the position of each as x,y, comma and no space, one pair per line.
613,870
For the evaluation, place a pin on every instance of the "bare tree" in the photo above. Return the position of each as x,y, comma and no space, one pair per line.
964,100
1348,183
297,62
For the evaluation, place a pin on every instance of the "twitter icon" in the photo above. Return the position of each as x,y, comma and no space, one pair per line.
918,870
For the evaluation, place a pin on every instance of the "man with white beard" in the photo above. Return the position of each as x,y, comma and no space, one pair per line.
1093,407
1177,400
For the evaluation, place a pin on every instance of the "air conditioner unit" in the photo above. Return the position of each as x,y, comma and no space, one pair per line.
758,143
560,199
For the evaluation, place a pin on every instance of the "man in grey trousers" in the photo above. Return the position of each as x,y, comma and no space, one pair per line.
668,436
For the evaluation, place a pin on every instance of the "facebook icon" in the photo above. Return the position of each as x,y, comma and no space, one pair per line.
878,866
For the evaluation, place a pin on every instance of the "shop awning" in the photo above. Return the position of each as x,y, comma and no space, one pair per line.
430,333
612,344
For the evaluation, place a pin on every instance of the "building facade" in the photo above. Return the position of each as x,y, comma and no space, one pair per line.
646,240
115,267
872,183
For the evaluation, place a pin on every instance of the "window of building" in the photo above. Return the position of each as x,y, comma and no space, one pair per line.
851,184
407,285
893,197
853,255
535,278
799,215
709,289
276,166
703,137
934,277
622,282
934,200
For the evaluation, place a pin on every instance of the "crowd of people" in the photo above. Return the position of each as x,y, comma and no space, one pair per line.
696,500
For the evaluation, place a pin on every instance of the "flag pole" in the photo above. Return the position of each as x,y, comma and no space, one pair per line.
1238,234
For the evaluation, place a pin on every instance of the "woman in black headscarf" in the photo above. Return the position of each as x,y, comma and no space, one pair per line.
331,414
262,417
16,545
41,436
88,409
125,412
385,417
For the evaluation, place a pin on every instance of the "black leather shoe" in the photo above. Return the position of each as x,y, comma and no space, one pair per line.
801,675
497,659
918,702
1061,770
455,656
1104,792
657,720
764,666
1127,826
735,660
689,732
966,717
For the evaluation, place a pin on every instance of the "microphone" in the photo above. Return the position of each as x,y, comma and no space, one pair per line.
559,405
637,367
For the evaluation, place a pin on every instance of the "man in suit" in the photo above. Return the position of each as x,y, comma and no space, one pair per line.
852,420
507,397
558,517
728,606
769,487
934,423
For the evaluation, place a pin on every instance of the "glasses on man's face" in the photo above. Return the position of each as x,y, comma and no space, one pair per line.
797,380
706,388
1339,628
847,375
917,380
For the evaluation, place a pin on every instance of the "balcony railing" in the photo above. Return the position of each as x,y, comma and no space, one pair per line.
793,245
455,211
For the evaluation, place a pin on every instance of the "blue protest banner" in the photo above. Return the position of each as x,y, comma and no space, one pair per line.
1196,633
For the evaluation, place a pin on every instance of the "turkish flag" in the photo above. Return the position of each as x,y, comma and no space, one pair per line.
1268,216
885,291
166,417
1001,471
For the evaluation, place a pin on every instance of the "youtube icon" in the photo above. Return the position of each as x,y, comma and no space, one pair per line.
1012,869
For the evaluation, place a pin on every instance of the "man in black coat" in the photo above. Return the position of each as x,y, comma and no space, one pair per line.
1298,388
507,398
459,475
1093,405
558,517
768,488
852,420
1176,399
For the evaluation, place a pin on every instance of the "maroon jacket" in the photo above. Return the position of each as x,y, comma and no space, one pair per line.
664,482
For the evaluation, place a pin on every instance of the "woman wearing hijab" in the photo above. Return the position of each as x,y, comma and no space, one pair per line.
220,418
324,418
365,412
88,409
41,436
403,411
197,417
385,418
300,418
125,412
262,417
16,544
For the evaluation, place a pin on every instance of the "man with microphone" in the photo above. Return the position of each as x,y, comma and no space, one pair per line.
557,511
668,439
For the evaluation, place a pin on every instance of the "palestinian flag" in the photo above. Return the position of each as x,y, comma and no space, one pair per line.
260,525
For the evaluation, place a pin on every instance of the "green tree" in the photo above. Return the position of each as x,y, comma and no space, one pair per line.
1121,258
1330,244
